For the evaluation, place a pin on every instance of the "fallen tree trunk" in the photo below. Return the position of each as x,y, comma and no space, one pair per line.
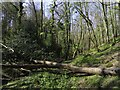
89,70
74,69
59,71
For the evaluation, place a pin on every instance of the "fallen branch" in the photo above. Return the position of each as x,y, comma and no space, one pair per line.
74,69
9,48
5,75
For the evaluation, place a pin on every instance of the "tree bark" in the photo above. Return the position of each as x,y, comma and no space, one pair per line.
106,21
20,14
112,23
41,17
67,30
119,18
74,69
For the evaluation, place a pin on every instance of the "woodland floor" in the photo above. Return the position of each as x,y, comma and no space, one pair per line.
109,57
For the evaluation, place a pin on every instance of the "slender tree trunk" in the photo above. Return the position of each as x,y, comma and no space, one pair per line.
112,22
20,14
95,38
39,40
41,17
106,21
89,34
99,34
83,44
67,29
89,23
116,24
119,19
35,12
53,40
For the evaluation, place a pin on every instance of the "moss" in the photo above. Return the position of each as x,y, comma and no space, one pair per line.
109,64
77,61
85,60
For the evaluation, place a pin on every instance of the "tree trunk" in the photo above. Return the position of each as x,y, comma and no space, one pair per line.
20,14
112,22
74,69
90,26
41,17
53,38
119,18
35,12
67,29
106,21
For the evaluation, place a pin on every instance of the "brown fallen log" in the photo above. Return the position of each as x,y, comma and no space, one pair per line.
89,70
74,69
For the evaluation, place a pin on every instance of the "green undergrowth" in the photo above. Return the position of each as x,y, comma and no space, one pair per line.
85,60
44,80
93,57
